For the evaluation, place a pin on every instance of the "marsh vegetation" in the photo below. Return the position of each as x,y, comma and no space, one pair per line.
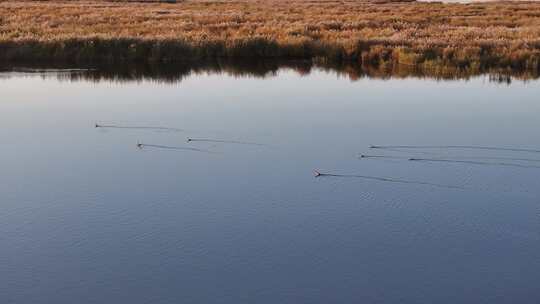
473,37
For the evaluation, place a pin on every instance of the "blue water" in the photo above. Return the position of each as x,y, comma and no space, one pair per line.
88,217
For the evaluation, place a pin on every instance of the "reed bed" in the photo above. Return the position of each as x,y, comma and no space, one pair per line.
477,36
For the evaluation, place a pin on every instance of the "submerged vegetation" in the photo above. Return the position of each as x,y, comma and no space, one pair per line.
474,37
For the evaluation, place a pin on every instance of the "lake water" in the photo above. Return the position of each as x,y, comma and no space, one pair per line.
87,216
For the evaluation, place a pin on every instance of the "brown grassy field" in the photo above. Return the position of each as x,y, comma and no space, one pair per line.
503,35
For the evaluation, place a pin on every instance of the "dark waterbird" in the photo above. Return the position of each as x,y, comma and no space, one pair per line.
385,179
141,145
381,156
458,147
224,141
138,127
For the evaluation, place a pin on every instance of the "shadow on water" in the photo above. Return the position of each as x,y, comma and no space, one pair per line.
176,72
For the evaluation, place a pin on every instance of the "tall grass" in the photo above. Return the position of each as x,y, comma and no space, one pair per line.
382,33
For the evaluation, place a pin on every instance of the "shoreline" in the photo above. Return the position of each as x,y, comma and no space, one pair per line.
176,72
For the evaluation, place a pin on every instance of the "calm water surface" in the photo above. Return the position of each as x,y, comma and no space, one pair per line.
88,217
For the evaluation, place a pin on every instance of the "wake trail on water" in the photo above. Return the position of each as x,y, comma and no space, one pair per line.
458,147
385,179
501,158
139,127
472,162
140,146
457,158
224,141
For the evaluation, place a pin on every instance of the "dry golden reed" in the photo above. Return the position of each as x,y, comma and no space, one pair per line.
472,36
